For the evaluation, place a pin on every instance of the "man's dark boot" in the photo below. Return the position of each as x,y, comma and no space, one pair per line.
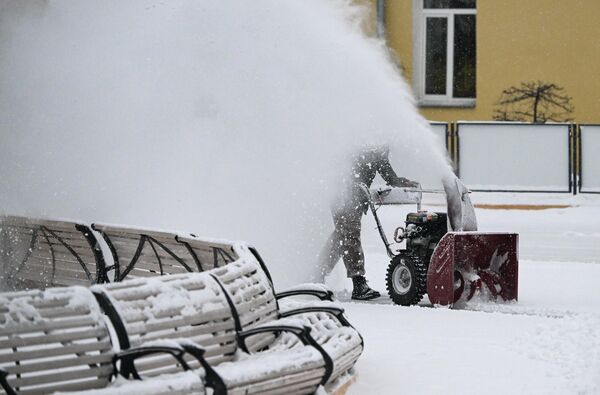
361,290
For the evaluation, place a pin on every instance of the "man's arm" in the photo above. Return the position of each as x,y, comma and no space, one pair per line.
390,177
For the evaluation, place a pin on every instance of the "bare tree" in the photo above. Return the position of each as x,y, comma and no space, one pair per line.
537,102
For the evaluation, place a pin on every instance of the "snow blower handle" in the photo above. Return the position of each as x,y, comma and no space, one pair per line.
422,190
383,191
373,209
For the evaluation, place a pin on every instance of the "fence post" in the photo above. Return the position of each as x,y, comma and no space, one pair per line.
455,149
572,159
578,162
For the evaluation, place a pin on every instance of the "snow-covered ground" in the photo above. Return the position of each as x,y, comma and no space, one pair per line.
547,343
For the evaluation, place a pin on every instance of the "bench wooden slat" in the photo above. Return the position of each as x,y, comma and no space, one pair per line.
58,225
162,364
135,273
128,249
168,264
76,243
19,341
28,224
113,231
65,258
259,342
90,383
50,365
198,243
154,268
37,298
35,267
138,290
215,357
65,268
147,261
258,316
101,371
67,311
50,325
100,346
182,322
71,237
131,244
287,381
190,333
68,282
56,308
345,363
249,290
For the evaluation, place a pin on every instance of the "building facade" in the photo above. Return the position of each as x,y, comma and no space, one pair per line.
460,55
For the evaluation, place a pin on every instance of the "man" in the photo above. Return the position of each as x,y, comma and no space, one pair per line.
347,214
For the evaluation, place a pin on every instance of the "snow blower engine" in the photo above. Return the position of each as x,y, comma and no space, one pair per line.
444,255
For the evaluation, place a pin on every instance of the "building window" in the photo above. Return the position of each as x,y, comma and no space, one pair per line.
445,52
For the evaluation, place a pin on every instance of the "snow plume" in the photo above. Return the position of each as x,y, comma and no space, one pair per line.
223,118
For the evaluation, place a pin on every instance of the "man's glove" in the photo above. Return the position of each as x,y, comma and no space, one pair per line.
406,183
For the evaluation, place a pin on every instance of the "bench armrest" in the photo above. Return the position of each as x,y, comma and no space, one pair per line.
337,312
318,290
213,380
302,332
4,383
128,357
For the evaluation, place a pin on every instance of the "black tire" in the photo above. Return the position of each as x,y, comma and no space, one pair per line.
406,279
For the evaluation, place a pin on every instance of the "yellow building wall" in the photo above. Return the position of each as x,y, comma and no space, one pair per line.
554,41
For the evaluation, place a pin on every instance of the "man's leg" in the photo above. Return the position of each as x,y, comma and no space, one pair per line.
329,256
352,253
348,226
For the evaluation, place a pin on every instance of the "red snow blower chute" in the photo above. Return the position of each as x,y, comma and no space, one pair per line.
444,255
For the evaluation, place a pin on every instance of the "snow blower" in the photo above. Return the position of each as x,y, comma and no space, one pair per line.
444,255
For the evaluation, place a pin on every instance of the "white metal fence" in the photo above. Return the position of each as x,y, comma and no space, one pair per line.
514,156
523,157
589,158
440,130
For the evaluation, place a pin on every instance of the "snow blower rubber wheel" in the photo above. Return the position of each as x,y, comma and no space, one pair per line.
406,279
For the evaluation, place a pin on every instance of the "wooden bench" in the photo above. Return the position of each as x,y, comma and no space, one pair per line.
252,313
36,253
255,306
246,280
58,340
139,252
194,307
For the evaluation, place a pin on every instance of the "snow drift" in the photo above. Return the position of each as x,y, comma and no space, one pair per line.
226,118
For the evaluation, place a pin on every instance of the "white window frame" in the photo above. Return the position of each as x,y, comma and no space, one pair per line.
420,15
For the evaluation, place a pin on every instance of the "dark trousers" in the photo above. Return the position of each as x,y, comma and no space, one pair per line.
345,243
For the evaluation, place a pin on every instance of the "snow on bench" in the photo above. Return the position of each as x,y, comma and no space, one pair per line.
255,306
232,296
194,308
36,253
245,278
57,340
184,383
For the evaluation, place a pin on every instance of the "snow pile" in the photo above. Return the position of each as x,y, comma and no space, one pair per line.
22,308
160,298
19,312
270,365
222,118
